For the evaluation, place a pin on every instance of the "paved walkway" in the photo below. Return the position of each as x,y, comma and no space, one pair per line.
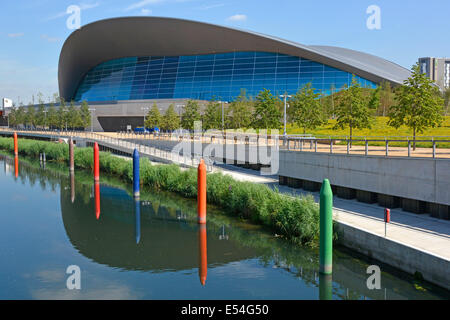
418,231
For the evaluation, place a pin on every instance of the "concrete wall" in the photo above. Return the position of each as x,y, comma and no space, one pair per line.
433,268
410,178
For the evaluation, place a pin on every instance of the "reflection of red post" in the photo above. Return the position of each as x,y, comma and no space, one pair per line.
203,254
72,186
16,166
16,147
96,163
97,200
201,192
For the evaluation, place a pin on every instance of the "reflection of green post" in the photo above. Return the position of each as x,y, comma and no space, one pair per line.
326,228
325,287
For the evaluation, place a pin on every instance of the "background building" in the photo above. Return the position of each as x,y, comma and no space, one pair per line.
437,69
123,65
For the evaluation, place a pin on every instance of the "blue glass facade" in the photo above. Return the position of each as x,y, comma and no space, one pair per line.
220,76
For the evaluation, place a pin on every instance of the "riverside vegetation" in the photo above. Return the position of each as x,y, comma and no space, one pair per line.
297,219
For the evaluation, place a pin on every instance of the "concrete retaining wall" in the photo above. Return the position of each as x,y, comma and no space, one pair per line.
433,268
416,184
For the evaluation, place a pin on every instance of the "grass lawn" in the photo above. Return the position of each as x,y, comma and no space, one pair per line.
380,130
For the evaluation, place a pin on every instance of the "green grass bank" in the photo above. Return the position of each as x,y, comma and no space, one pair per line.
297,219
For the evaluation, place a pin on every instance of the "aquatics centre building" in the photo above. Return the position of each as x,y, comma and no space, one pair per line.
121,66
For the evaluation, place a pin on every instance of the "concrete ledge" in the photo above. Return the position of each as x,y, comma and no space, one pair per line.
435,269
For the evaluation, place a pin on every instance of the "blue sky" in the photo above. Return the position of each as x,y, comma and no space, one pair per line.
32,32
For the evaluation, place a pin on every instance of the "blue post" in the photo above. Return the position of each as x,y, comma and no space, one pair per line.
136,177
137,207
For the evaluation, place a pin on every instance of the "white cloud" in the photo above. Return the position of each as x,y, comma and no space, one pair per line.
83,6
16,35
146,12
237,17
49,39
212,6
143,3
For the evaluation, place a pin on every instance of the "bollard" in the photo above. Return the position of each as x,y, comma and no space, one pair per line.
136,176
387,219
96,163
326,228
203,254
137,209
16,147
201,192
71,160
97,199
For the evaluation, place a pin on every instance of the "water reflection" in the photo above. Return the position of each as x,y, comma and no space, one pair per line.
163,236
202,254
16,166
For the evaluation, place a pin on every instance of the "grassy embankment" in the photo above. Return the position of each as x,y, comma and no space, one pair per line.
381,130
295,218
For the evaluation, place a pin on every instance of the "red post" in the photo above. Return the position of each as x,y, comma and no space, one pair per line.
96,163
201,192
203,254
387,219
16,147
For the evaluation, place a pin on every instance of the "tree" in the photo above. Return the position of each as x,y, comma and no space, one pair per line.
171,120
266,113
306,110
239,113
446,96
386,98
40,115
73,117
85,115
52,116
153,118
190,115
21,115
353,109
12,117
418,104
30,118
212,117
62,115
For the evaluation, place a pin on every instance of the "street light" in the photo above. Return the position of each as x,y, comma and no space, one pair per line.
145,114
179,106
285,96
223,117
92,119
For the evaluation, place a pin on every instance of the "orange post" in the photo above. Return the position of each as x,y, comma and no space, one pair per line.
16,147
96,163
201,192
203,254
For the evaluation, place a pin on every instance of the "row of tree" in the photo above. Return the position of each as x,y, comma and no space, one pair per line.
63,117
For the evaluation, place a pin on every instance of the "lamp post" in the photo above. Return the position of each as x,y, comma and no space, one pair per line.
179,106
285,96
92,119
145,113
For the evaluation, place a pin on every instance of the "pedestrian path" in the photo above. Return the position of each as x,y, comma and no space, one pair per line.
422,232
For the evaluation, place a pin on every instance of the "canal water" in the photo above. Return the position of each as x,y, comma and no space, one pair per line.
153,249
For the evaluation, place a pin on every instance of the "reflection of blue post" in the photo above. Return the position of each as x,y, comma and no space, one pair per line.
136,178
137,209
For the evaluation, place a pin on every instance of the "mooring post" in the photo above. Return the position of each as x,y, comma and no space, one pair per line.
201,192
136,176
96,163
71,161
326,228
16,147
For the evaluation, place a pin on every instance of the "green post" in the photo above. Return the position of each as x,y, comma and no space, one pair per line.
326,228
325,287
